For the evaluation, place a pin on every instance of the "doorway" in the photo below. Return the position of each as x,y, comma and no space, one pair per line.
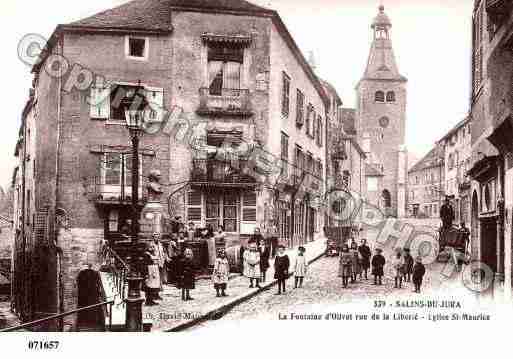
489,242
89,293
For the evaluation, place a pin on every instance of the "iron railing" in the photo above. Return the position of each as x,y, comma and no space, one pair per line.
118,269
225,102
46,320
117,192
498,6
220,171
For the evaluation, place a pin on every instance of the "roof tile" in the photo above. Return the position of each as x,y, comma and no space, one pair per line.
156,14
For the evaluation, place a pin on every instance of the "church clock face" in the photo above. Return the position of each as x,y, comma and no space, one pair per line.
384,122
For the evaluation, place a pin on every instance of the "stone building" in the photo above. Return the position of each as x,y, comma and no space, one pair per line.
456,152
29,269
239,134
491,130
345,161
381,119
426,181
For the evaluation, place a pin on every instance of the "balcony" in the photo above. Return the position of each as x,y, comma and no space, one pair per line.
498,11
230,102
498,7
221,173
112,193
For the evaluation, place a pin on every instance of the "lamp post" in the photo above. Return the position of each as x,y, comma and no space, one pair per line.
135,107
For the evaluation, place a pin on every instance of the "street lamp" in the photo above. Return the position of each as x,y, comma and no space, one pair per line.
135,106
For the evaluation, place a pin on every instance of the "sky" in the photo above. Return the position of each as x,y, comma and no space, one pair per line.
431,38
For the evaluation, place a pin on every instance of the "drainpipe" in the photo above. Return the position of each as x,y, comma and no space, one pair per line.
500,222
52,217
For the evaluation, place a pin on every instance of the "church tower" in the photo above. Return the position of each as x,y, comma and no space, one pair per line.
381,119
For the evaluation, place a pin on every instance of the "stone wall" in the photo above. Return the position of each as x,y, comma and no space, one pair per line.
385,141
80,246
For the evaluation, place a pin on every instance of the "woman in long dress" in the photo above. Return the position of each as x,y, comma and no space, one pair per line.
252,265
152,282
300,267
221,273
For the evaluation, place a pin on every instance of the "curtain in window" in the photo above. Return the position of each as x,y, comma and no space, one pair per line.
112,167
231,75
215,77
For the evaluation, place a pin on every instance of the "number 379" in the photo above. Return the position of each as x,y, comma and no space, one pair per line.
379,304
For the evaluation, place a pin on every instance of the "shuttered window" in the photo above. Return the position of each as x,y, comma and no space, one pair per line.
284,154
112,171
320,133
308,118
300,108
314,126
477,56
99,102
379,96
155,98
249,206
285,103
194,206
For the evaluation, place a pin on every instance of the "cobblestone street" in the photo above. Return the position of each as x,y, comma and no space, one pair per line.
323,290
172,311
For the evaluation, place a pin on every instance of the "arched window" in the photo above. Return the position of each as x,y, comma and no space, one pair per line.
390,96
379,96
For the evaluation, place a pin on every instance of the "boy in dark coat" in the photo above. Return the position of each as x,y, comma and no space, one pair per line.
418,273
366,254
378,263
265,254
345,264
281,268
187,275
408,264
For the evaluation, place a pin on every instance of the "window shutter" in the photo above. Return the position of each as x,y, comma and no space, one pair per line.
100,102
194,206
314,127
41,227
321,132
249,206
155,97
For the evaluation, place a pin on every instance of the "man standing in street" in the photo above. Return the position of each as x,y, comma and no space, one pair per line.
162,258
365,254
446,214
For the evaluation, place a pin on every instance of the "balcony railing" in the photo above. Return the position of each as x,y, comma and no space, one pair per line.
498,11
229,102
498,6
295,177
215,172
111,192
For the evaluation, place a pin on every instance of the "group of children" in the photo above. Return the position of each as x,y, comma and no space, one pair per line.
354,262
405,268
255,267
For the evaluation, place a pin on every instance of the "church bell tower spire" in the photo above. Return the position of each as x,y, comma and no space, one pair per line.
381,120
